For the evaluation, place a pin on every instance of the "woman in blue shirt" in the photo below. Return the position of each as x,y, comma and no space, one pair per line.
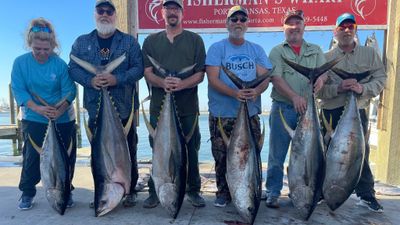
41,72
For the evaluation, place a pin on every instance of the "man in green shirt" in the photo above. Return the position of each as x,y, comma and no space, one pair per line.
288,94
333,94
176,48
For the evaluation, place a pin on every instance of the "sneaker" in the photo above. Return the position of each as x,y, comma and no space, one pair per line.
129,200
196,199
151,202
221,202
272,202
371,203
25,203
70,202
264,195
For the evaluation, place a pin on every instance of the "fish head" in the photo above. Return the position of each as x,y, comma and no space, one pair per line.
110,198
56,200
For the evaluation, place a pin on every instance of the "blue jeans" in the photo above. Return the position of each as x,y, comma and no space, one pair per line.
279,141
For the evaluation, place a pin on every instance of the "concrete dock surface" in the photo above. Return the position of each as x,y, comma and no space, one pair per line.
42,213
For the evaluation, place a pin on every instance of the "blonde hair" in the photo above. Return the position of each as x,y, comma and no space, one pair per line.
41,29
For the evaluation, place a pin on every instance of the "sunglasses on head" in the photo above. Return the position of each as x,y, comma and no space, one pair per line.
109,12
235,19
351,26
36,29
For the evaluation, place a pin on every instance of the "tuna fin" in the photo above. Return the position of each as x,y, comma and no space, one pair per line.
328,127
61,101
358,76
312,73
287,128
189,136
131,116
69,150
187,69
235,79
115,63
224,136
146,121
85,65
41,100
35,146
89,133
158,66
261,141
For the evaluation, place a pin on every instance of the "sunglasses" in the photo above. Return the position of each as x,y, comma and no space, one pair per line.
109,12
36,29
235,19
352,26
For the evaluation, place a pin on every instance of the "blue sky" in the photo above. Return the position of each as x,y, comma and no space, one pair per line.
75,17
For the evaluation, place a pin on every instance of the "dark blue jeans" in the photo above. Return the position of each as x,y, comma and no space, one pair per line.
279,141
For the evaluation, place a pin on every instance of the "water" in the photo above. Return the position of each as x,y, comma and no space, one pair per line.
144,150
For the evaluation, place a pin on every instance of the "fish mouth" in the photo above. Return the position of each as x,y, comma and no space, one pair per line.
110,198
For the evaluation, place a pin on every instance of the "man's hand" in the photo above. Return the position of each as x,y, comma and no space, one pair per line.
107,79
299,104
346,85
173,84
319,83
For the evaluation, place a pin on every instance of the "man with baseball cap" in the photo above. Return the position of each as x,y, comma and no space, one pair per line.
288,95
358,59
187,49
247,60
99,47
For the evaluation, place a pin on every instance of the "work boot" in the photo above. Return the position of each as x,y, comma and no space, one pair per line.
129,200
151,202
196,199
272,202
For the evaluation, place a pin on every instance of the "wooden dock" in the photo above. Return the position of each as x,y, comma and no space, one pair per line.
8,131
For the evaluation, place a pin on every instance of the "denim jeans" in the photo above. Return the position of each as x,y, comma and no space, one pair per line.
279,141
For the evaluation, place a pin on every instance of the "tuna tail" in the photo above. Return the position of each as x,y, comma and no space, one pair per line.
246,84
287,127
114,64
358,76
165,72
312,74
87,66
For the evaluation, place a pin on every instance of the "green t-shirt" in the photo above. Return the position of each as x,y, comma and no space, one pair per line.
310,56
187,49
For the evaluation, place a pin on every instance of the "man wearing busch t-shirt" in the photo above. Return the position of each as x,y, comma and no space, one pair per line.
246,60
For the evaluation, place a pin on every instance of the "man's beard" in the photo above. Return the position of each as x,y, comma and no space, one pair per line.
105,28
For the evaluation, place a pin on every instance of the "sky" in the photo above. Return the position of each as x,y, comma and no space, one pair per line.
76,17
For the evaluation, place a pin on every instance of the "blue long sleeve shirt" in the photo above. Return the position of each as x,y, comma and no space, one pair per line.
50,81
86,47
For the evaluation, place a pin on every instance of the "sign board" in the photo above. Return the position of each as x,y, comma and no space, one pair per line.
208,16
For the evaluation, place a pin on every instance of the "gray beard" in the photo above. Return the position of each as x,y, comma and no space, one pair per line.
105,28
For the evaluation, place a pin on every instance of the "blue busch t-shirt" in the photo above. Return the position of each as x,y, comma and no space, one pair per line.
242,61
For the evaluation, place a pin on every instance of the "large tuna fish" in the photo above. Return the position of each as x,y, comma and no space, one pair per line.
243,162
306,164
169,169
345,154
54,165
111,164
373,43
